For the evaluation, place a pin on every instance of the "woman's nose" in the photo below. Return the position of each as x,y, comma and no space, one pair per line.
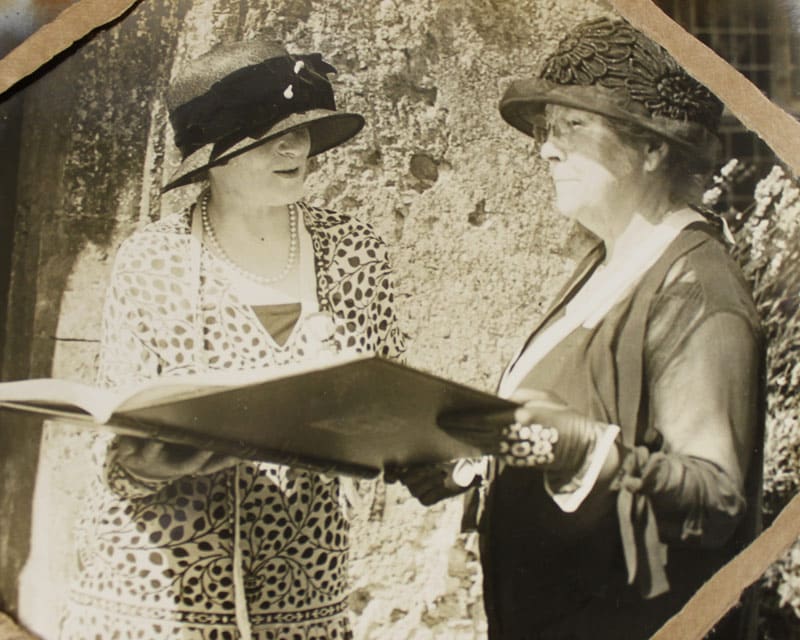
550,150
294,143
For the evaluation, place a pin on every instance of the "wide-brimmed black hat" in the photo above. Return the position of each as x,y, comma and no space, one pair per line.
607,67
242,95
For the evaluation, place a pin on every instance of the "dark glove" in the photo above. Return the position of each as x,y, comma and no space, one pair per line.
430,483
545,433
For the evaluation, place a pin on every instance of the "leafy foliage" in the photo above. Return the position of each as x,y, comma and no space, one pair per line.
767,247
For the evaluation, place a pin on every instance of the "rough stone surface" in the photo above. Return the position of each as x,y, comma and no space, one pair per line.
460,197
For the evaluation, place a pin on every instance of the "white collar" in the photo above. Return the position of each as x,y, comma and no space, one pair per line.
636,250
641,236
639,246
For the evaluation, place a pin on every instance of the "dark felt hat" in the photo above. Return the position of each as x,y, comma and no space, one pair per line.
607,67
242,95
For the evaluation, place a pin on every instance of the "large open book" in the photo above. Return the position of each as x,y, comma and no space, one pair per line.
354,414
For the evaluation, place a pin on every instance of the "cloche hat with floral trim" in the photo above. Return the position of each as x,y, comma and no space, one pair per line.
608,67
241,95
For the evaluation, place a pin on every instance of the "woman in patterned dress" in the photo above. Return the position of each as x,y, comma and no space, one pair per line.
186,544
631,473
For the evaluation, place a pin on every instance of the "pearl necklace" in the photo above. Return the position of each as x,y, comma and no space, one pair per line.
223,255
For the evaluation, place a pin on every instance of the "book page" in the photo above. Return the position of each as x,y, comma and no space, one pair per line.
63,395
59,395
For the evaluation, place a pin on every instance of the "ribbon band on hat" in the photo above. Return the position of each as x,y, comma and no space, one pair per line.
524,102
237,97
248,102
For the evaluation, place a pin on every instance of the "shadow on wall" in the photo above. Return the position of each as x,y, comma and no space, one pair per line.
72,167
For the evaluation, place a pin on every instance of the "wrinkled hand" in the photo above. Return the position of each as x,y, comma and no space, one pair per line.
428,483
544,433
154,461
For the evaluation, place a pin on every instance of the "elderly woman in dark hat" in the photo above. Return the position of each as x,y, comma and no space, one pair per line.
183,543
630,473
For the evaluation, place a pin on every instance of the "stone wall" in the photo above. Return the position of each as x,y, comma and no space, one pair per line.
461,198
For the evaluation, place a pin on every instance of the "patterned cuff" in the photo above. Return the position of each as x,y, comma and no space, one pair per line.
570,492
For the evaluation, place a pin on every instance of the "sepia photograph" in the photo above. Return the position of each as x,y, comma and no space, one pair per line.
385,320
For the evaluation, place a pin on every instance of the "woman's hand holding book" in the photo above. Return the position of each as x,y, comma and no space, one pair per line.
153,461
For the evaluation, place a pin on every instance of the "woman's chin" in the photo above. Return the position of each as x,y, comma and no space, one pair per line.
578,209
286,194
293,195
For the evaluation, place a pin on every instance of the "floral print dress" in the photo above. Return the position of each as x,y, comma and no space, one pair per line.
256,550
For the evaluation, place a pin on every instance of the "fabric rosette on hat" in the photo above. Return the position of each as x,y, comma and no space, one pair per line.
607,67
237,97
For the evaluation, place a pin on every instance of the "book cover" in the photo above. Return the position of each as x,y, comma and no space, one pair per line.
354,415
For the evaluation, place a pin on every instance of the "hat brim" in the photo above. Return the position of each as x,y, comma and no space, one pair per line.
327,129
524,100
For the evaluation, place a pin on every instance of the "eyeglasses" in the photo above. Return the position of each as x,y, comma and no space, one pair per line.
566,132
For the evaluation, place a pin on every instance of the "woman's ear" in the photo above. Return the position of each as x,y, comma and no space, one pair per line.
654,154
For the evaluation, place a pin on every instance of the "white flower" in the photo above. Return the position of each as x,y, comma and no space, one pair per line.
770,186
711,197
790,199
729,167
775,263
298,65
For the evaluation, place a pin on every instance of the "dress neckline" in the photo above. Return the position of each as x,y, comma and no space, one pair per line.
590,299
